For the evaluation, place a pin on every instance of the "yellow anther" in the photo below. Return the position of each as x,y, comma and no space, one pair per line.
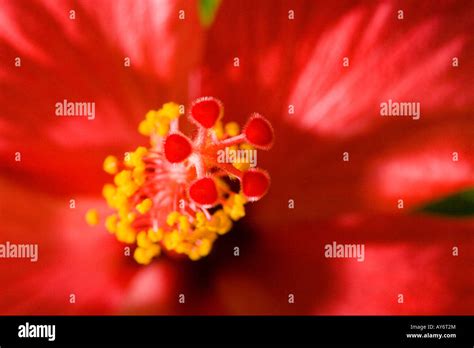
246,146
145,128
183,223
235,206
130,237
139,175
163,127
131,217
139,169
125,233
123,213
232,129
171,240
211,236
220,222
155,235
237,212
151,116
201,219
154,250
222,186
204,247
111,223
172,218
181,248
194,254
145,206
134,159
240,199
127,159
122,225
108,192
169,110
142,256
139,153
92,217
142,240
128,189
242,166
184,247
219,129
110,165
123,178
119,201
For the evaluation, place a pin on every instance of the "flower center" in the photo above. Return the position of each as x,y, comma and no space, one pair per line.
178,195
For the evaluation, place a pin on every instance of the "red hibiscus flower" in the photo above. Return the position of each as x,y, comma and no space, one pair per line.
340,171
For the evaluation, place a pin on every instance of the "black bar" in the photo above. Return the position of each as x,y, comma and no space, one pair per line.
141,330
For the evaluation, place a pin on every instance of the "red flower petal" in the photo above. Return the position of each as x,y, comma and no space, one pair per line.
408,255
72,260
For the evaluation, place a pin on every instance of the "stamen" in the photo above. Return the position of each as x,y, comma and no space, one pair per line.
92,217
161,194
110,164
